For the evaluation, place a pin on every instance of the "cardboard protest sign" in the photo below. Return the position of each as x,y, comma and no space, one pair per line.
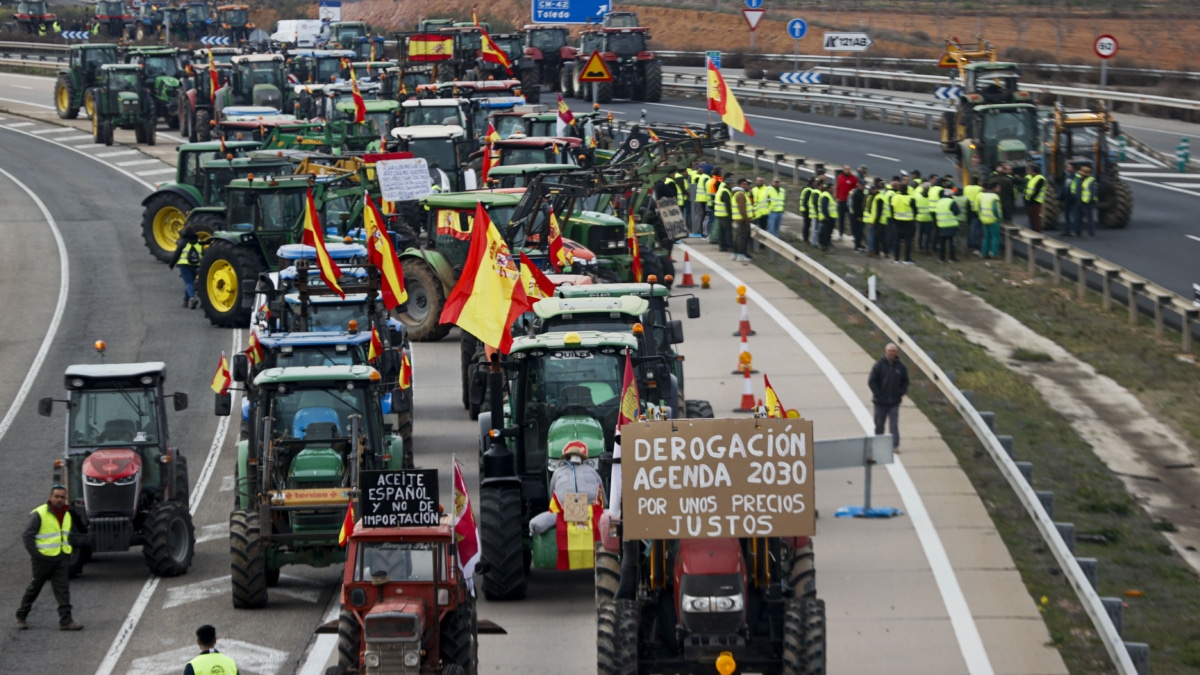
701,479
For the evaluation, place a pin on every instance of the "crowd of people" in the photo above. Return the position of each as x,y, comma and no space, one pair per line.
883,218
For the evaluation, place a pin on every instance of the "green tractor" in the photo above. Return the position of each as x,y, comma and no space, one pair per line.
256,80
75,84
123,102
312,431
162,71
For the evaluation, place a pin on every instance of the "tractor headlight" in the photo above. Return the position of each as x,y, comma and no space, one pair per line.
92,481
372,660
412,659
694,604
128,480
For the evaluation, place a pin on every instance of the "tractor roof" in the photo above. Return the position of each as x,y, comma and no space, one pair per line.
233,7
626,304
315,374
121,67
608,290
313,339
257,58
625,29
467,200
339,24
1005,106
371,106
596,217
536,142
470,28
350,299
524,169
435,102
991,65
538,26
583,339
106,371
214,146
426,131
107,46
154,50
324,53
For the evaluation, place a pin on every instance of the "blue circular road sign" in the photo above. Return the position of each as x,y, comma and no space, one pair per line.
754,4
797,28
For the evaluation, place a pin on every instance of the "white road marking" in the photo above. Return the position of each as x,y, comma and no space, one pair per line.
1160,185
794,140
305,590
117,153
60,305
813,124
323,646
212,532
53,130
138,162
90,146
227,483
1136,165
965,630
156,172
890,159
1193,186
1192,237
19,124
36,105
73,139
249,657
1192,176
19,86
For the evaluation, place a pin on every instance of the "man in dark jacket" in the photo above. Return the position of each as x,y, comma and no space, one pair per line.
889,383
48,539
186,257
1008,193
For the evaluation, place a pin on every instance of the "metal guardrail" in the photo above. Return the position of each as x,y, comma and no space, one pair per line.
26,63
1088,597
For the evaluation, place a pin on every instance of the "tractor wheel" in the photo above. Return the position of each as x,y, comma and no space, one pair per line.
64,97
608,577
468,344
170,540
223,268
181,494
81,554
652,82
604,93
106,130
650,266
1051,211
580,89
425,301
139,134
804,637
172,121
566,80
697,410
349,644
97,137
502,543
1117,215
181,112
162,220
617,638
89,102
205,224
247,561
405,430
531,85
203,130
151,133
802,572
458,637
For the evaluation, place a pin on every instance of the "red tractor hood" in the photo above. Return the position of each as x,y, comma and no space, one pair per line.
112,465
410,605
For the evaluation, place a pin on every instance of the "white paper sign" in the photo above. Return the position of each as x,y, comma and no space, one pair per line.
403,179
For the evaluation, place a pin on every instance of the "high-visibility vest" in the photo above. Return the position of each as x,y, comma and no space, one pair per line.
962,208
777,198
52,539
1035,189
827,206
814,202
96,28
702,188
924,207
873,209
57,27
945,213
935,193
803,205
681,190
213,663
972,192
1082,189
741,211
723,199
183,255
902,207
886,196
989,208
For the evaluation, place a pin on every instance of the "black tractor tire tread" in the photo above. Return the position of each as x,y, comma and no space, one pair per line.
616,638
247,561
429,330
502,543
157,203
804,637
203,128
466,354
106,131
404,429
139,134
349,637
1119,214
802,572
604,92
1051,211
459,638
531,85
653,84
566,83
157,549
72,111
608,577
247,266
152,131
696,409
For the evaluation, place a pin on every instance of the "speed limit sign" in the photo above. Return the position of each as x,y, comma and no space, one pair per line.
1106,46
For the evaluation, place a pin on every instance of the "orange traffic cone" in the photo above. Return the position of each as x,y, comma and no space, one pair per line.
744,359
688,282
743,328
747,404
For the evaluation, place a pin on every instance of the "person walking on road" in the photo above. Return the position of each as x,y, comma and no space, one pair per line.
889,383
1035,192
1085,201
187,257
47,538
209,661
777,199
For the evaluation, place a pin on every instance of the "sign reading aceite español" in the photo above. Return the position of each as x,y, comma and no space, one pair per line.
404,498
701,479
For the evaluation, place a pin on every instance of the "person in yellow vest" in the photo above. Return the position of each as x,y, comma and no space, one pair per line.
814,209
743,214
990,215
762,202
47,538
974,226
1083,189
946,212
721,233
924,218
802,207
777,202
903,222
827,208
188,252
209,661
682,192
873,219
1035,193
700,204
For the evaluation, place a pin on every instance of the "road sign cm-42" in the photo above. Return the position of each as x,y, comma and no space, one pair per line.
847,42
568,11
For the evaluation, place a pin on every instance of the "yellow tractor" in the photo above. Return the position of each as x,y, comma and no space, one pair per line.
1080,137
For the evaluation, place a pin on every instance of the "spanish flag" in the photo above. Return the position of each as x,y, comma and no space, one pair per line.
631,240
724,103
489,295
577,541
430,47
360,106
557,258
347,525
774,406
214,81
313,237
221,378
406,372
382,255
630,405
254,350
653,136
492,135
487,163
376,348
537,285
491,53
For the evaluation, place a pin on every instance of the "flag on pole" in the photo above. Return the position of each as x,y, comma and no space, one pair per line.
565,118
487,163
653,136
347,525
214,81
576,541
489,295
631,241
537,286
221,379
774,405
492,135
313,237
492,53
630,405
406,372
466,533
382,255
557,258
360,106
254,350
376,348
724,103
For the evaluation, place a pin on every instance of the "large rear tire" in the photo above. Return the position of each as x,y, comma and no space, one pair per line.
89,102
349,644
802,572
502,543
162,219
64,98
804,637
604,92
223,268
247,561
106,130
608,577
203,127
97,136
426,298
531,85
459,638
151,132
653,82
617,638
698,410
1051,211
170,540
1120,212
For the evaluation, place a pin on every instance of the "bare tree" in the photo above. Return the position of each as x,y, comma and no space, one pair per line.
1060,22
1020,22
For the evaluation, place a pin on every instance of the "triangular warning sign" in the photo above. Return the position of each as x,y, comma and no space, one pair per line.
946,62
595,70
753,16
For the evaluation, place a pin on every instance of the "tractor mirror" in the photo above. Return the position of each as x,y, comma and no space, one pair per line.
676,335
224,404
241,367
45,406
180,401
693,308
248,288
479,386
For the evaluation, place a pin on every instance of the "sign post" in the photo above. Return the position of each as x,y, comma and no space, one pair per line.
796,28
714,57
1106,48
753,15
845,42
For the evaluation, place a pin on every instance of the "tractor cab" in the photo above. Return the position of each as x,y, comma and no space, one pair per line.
113,15
158,61
621,20
992,82
234,21
537,150
176,18
222,56
521,175
445,148
343,34
199,17
546,39
257,80
435,111
1007,132
321,66
369,71
626,43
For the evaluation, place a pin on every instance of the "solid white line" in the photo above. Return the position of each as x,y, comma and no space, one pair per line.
125,633
138,162
1162,174
1194,186
73,139
1192,237
156,172
323,646
36,105
53,130
19,124
794,140
1136,165
19,86
118,153
965,630
890,159
1161,185
64,282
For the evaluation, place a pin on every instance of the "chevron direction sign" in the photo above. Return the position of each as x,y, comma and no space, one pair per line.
802,77
75,35
947,93
214,41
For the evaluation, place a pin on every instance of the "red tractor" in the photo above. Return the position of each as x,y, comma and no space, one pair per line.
33,16
636,71
547,47
405,605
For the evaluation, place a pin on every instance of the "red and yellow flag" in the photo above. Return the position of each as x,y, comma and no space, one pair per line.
537,285
491,52
382,255
557,258
489,295
254,350
774,405
724,103
221,378
406,372
487,163
653,136
630,405
430,47
360,106
214,81
492,135
313,237
631,240
577,541
347,525
376,348
466,533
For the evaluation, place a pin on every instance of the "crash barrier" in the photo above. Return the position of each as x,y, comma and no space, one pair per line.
1120,652
1114,283
33,54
